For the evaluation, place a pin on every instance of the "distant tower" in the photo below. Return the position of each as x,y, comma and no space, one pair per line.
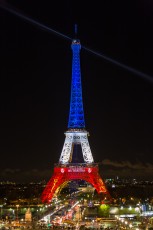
76,138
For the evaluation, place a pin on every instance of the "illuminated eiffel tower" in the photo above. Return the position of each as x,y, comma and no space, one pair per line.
76,136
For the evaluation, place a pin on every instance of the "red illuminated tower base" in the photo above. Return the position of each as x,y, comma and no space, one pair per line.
69,173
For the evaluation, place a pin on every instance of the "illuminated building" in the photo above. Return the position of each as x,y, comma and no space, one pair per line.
76,136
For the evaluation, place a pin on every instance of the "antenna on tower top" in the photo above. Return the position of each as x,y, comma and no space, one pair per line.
76,30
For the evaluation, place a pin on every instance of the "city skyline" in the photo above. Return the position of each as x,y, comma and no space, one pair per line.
36,79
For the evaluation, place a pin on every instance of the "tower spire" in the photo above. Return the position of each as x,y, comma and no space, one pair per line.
76,114
76,30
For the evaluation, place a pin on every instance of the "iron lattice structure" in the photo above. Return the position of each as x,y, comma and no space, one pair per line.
76,135
63,174
76,115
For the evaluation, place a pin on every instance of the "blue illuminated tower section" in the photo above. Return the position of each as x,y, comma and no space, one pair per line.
76,134
76,115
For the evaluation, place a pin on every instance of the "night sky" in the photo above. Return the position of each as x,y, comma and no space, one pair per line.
35,80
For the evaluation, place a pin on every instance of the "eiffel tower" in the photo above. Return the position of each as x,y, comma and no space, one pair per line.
76,161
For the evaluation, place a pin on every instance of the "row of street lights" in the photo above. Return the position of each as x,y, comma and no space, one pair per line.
1,211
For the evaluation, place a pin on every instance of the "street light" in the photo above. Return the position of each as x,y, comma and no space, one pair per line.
17,206
1,206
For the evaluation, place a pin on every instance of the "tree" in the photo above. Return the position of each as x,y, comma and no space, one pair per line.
103,210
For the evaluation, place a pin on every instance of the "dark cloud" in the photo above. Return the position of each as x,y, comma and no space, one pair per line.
128,164
17,175
126,168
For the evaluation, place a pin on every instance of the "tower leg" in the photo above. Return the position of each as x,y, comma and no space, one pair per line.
55,181
67,148
87,155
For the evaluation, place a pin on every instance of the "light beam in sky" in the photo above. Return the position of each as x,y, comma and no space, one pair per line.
99,54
